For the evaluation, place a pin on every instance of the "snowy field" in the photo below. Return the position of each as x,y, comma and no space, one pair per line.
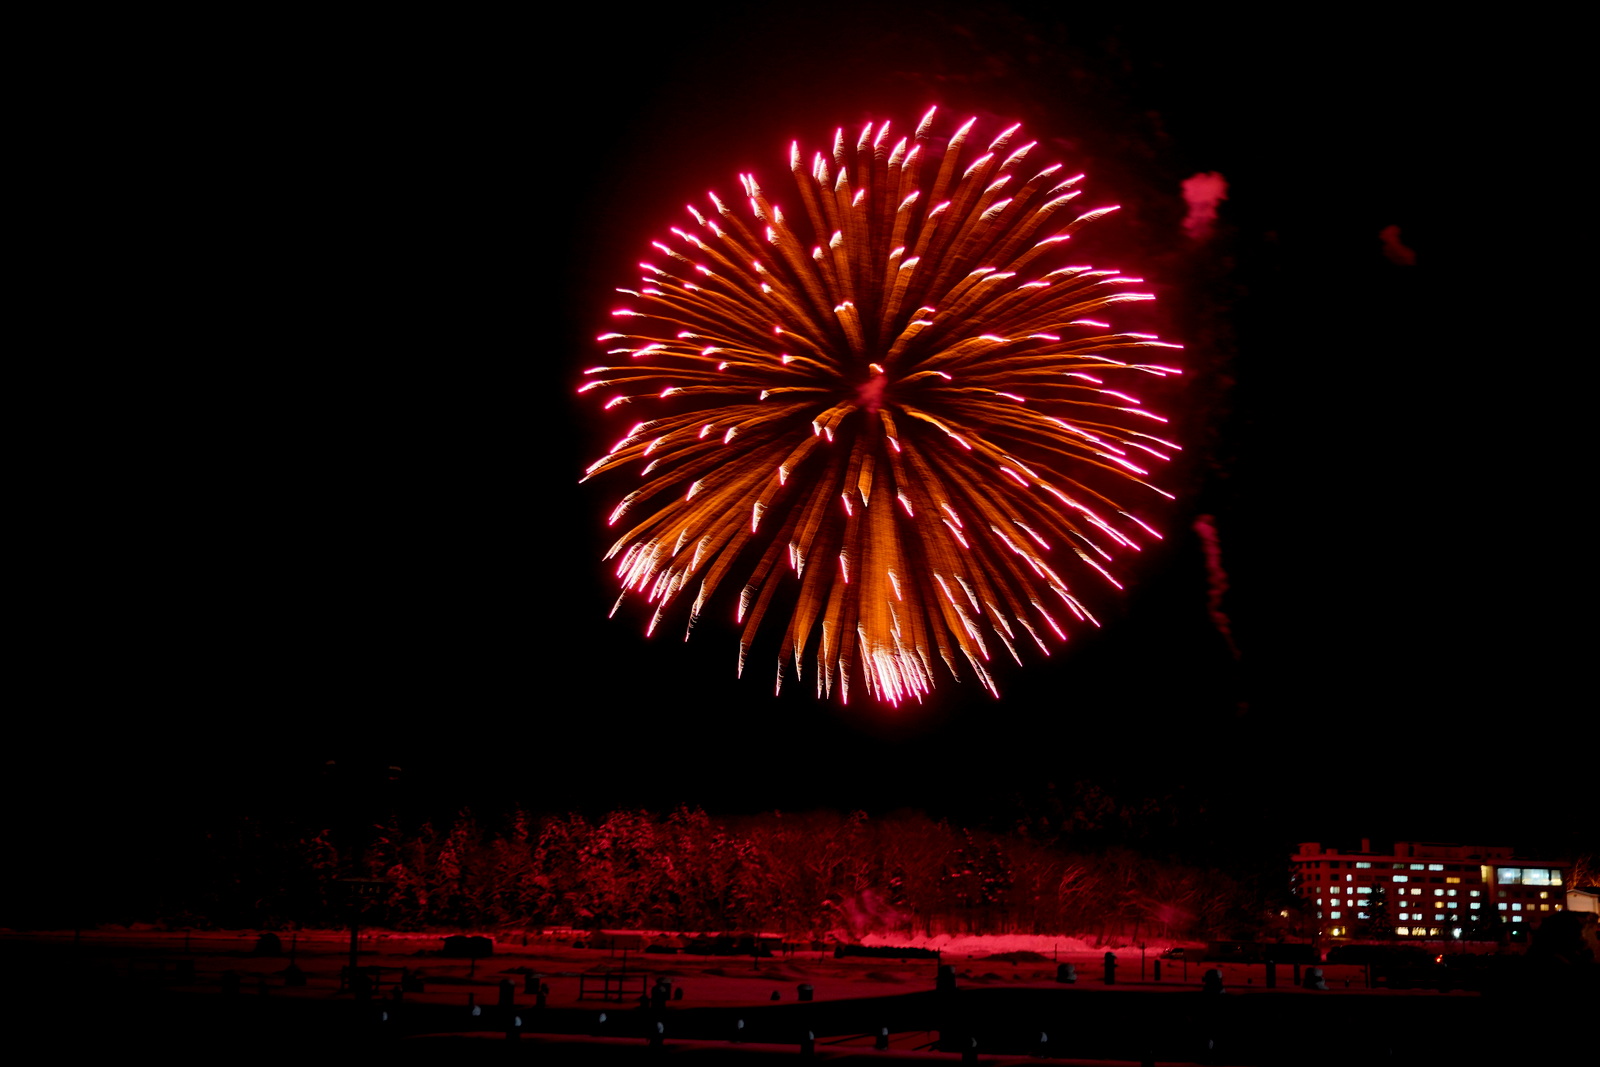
573,974
128,988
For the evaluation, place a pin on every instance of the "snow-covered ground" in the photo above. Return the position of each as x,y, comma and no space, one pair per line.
574,975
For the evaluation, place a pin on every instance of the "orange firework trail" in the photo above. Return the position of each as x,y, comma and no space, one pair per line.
897,409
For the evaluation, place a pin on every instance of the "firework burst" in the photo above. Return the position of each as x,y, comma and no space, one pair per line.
896,413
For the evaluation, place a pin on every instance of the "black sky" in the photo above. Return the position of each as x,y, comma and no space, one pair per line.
346,524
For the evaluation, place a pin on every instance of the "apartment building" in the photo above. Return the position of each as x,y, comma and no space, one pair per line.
1424,889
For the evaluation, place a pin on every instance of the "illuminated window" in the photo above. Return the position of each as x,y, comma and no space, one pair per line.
1451,904
1402,930
1449,892
1319,914
1363,889
1544,896
1362,915
1472,892
1516,918
1419,866
1544,907
1558,907
1438,892
1416,892
1335,915
1502,906
1438,916
1509,875
1435,866
1360,864
1402,877
1474,905
1449,880
1334,890
1535,876
1319,902
1516,907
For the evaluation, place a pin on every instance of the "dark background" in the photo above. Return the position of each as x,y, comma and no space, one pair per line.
339,518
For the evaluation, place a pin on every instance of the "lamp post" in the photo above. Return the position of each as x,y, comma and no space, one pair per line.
359,893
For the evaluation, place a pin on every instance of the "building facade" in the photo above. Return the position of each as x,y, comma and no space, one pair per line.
1422,889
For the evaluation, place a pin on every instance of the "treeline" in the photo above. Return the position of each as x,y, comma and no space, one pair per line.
805,876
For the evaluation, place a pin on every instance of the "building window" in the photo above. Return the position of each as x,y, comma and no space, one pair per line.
1362,915
1416,892
1438,916
1438,892
1472,892
1402,877
1363,889
1452,880
1544,896
1509,875
1360,865
1419,866
1402,930
1516,918
1449,892
1335,915
1435,866
1451,904
1474,904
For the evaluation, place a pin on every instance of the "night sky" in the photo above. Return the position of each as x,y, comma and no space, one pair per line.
346,524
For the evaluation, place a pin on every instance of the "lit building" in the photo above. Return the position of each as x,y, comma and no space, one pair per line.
1427,890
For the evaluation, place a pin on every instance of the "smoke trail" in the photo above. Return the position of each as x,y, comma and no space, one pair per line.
1217,579
1397,252
1203,192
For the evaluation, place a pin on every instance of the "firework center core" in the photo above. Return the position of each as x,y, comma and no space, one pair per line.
870,392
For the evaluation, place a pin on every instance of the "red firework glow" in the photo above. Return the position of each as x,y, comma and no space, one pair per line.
901,397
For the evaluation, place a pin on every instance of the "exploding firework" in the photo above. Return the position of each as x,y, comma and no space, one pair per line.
895,414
